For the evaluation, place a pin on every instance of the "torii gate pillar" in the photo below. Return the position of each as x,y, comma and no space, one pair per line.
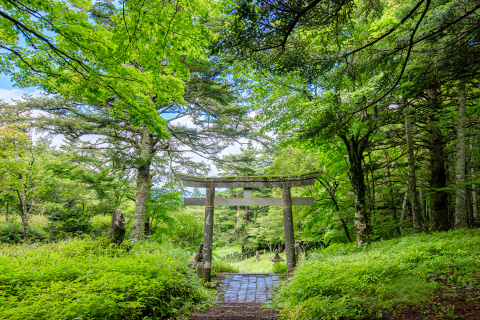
288,229
208,234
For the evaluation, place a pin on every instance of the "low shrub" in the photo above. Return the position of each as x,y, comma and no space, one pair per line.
68,221
279,267
187,231
12,233
84,279
345,282
100,225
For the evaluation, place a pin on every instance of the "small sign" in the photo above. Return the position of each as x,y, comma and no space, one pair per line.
361,226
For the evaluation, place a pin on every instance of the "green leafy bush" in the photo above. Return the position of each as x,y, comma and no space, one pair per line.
345,282
279,267
83,279
70,221
100,225
183,229
12,233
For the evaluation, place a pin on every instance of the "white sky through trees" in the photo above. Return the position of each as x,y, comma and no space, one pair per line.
8,93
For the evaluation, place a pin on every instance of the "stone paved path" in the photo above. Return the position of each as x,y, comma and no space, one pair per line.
241,296
247,287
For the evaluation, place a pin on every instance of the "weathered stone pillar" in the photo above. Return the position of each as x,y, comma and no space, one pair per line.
288,228
208,235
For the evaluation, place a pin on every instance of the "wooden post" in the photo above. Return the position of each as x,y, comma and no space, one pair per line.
288,228
208,235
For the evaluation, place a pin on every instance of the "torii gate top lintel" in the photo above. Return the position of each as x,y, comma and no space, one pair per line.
249,182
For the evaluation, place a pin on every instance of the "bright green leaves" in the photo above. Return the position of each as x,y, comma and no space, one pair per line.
136,59
91,280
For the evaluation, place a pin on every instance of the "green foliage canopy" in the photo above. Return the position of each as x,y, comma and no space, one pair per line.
134,63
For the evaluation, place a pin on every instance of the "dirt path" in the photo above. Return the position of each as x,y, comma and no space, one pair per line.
242,296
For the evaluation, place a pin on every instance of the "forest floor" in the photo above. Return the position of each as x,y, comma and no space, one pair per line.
448,304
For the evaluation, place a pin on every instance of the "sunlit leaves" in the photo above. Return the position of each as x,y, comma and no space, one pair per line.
137,61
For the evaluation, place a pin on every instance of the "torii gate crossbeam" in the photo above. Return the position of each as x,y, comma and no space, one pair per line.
248,183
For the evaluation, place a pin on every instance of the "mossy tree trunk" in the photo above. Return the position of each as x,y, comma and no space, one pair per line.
461,156
24,212
117,227
355,147
143,185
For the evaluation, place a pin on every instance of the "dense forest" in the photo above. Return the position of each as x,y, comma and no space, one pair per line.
381,98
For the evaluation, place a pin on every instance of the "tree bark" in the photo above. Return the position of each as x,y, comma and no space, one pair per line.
404,209
412,179
143,185
370,187
461,190
117,228
23,207
474,197
355,149
438,174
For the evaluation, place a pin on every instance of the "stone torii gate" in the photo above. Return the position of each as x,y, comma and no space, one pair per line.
247,183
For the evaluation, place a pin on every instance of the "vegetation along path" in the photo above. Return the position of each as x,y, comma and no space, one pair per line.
242,296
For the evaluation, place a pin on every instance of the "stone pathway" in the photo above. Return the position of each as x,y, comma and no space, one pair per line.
241,296
247,287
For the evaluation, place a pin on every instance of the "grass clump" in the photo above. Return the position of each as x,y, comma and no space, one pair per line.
345,282
100,226
82,279
223,267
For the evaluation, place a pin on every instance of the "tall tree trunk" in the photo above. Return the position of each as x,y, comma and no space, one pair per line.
461,191
438,174
370,186
22,197
474,196
143,185
412,179
355,149
404,209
